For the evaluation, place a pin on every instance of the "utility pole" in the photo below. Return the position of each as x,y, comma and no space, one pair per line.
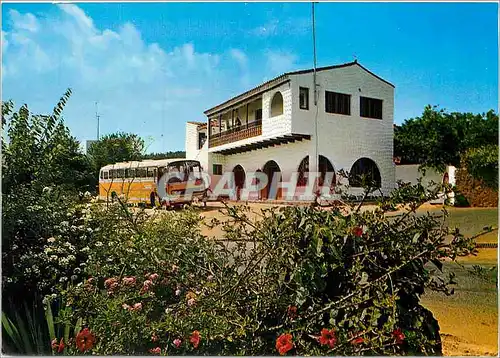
316,153
97,117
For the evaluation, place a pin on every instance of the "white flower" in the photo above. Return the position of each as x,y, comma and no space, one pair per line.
98,244
63,279
177,292
51,239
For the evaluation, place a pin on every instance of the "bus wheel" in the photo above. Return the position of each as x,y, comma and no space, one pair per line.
152,199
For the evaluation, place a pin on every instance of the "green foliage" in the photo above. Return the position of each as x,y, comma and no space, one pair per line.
38,151
157,279
115,148
170,154
482,163
439,138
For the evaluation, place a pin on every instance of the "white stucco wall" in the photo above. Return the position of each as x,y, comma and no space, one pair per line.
409,173
342,139
192,151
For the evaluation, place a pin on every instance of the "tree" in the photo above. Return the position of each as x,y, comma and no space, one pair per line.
39,151
439,138
115,148
173,154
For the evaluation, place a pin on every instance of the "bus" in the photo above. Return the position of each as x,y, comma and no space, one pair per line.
136,182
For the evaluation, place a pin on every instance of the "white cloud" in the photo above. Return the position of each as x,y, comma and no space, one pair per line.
136,83
240,57
26,22
279,62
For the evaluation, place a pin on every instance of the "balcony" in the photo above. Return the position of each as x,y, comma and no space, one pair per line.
252,129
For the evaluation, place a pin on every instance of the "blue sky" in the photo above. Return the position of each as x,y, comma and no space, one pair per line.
152,67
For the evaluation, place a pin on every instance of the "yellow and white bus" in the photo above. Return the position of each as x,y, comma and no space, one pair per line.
136,182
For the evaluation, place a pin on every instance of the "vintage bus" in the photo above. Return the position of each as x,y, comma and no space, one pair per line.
137,182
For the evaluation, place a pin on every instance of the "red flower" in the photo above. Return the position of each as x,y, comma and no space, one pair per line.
85,340
358,231
195,338
54,343
284,343
61,346
328,337
292,312
156,350
357,340
177,342
399,335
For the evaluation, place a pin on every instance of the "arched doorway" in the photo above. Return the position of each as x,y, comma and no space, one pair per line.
272,171
239,180
364,172
303,172
277,104
326,168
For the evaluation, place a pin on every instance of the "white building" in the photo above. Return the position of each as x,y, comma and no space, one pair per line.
272,128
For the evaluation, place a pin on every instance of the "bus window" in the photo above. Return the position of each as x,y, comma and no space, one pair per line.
120,173
101,176
151,172
105,175
131,173
112,173
141,172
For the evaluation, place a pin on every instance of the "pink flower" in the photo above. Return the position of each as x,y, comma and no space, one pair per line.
109,282
90,280
126,307
177,342
129,281
210,278
153,276
137,307
156,350
177,292
154,338
175,268
146,286
191,302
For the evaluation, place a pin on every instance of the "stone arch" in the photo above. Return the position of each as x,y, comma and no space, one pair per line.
277,104
365,171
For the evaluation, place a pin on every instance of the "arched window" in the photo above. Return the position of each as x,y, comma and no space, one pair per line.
277,105
363,172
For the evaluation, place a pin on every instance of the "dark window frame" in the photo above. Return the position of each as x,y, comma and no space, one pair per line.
369,104
305,91
202,137
217,169
336,103
258,117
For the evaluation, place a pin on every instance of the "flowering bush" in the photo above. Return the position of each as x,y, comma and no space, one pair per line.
302,281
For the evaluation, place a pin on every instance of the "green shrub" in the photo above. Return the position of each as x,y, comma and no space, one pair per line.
301,280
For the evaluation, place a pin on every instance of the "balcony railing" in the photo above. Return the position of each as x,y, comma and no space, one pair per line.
235,134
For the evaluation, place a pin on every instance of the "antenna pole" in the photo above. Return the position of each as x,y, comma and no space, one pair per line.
315,85
97,117
314,54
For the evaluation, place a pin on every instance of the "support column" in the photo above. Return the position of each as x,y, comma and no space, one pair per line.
247,115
